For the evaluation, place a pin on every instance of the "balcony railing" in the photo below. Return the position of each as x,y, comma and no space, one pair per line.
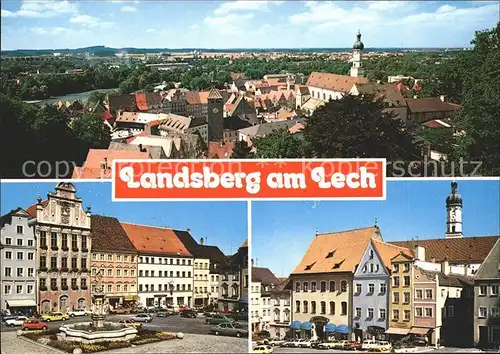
84,287
43,288
74,287
54,248
74,269
85,270
53,288
43,247
74,249
85,249
43,269
64,287
54,269
64,269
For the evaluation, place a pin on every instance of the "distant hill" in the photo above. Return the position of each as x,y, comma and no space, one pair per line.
103,50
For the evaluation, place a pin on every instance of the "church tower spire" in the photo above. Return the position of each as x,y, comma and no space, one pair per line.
356,68
454,213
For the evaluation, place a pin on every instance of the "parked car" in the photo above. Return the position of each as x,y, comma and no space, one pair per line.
353,346
142,317
328,345
7,317
276,342
78,312
368,344
418,341
17,321
34,325
163,314
379,350
240,316
131,323
287,343
189,314
264,349
307,343
296,343
208,314
383,345
120,311
217,319
230,329
55,316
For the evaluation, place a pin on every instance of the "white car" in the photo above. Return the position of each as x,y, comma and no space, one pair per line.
297,343
383,345
307,343
368,344
276,342
328,345
78,312
18,321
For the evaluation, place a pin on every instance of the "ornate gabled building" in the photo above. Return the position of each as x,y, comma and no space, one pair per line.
63,240
234,282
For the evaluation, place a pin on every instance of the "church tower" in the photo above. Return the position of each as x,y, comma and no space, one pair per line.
215,118
356,68
454,213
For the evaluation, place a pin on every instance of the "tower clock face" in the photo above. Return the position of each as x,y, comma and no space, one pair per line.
215,110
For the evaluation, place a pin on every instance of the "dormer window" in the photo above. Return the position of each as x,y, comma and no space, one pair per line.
309,267
337,265
330,254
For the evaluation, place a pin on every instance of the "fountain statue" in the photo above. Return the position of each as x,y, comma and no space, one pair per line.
314,335
98,330
98,313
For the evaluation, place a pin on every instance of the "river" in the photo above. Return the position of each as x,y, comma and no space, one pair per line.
82,96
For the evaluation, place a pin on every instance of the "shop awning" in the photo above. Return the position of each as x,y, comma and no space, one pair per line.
21,303
306,325
130,298
342,329
421,331
400,331
330,328
295,325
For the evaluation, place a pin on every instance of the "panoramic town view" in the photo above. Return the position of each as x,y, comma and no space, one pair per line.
418,272
82,273
249,79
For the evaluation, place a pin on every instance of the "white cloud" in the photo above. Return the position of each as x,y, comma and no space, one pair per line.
90,21
128,9
194,27
150,30
229,24
53,31
445,8
243,5
42,9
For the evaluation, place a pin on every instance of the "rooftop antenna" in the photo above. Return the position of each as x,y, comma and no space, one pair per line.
317,231
376,222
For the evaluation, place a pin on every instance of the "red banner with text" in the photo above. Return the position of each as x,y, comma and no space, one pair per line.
313,179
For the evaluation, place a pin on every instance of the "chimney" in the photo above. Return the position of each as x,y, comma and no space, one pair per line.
202,241
441,98
445,267
420,253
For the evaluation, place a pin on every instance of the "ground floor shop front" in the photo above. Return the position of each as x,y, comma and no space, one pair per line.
319,327
127,301
162,300
24,307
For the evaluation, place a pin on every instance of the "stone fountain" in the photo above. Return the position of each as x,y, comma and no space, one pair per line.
98,330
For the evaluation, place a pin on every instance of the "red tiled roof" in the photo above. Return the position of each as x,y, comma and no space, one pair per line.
436,123
433,104
32,208
340,83
466,249
109,235
140,101
155,240
92,166
216,150
107,116
336,252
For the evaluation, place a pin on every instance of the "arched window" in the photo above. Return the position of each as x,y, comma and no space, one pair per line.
276,315
343,286
344,308
453,229
324,96
297,306
45,306
332,286
305,307
305,286
313,286
63,303
297,287
81,303
287,315
332,307
323,307
323,286
313,306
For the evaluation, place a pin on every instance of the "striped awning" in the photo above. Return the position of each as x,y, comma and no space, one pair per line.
295,325
400,331
342,329
330,328
419,330
21,303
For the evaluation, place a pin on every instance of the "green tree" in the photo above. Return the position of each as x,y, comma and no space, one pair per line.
358,126
241,150
280,144
96,97
91,132
479,115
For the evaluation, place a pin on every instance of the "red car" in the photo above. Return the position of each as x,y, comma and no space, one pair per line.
35,325
353,346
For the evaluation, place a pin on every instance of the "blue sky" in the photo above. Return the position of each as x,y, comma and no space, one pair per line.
222,224
282,231
33,24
